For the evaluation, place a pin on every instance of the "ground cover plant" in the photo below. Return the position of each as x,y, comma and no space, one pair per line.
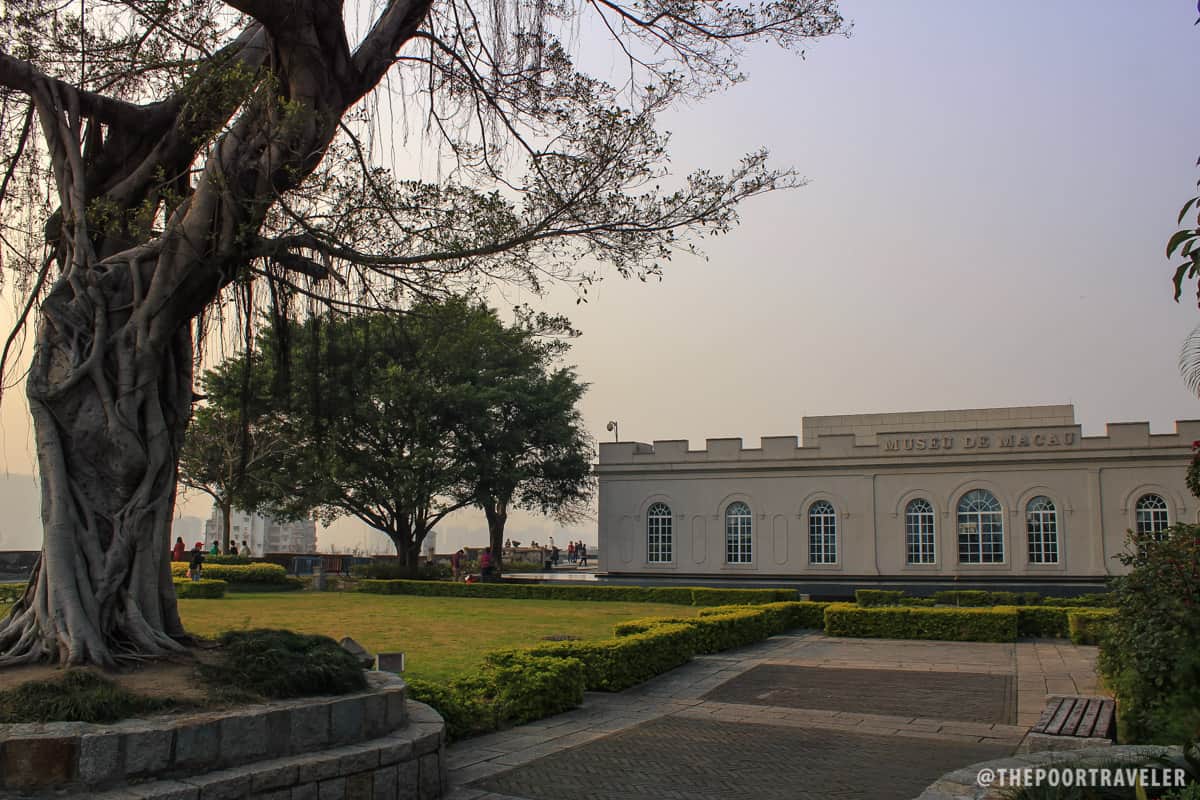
442,637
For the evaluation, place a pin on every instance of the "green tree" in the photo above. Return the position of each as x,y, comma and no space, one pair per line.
166,157
524,444
234,445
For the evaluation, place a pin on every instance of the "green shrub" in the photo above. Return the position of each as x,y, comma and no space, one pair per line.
790,614
1150,654
714,632
280,664
963,597
950,624
201,589
550,591
1044,622
236,573
529,687
1088,626
611,665
1106,600
918,602
871,598
224,559
290,584
11,592
77,696
392,569
464,703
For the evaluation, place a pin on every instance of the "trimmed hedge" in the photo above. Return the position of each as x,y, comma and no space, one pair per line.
611,665
789,615
539,591
236,573
205,588
1045,622
872,598
714,632
949,624
290,584
512,688
1089,625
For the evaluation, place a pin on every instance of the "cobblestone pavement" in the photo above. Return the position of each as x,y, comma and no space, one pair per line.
886,742
963,696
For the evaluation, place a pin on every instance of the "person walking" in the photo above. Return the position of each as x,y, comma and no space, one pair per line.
581,548
456,563
233,550
245,550
179,552
571,552
197,563
215,549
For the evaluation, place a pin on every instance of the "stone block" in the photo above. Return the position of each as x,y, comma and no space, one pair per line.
427,739
273,794
227,784
384,783
361,786
317,768
430,778
358,759
398,748
243,737
332,789
100,758
165,790
310,728
274,777
397,714
148,750
408,781
374,716
346,718
305,791
31,762
390,662
279,732
197,745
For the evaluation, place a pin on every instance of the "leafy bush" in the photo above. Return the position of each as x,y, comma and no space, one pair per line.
392,569
280,664
224,559
1106,600
78,696
1150,656
538,591
512,688
950,624
236,573
201,589
918,602
611,665
714,632
11,592
1042,622
870,598
789,615
963,597
1088,626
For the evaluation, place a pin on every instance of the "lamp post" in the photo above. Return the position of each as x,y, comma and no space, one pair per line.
612,426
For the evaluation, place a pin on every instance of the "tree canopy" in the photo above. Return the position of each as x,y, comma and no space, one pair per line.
402,420
167,162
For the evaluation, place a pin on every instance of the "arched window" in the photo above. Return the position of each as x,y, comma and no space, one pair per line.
980,528
822,533
1151,516
738,533
658,534
919,539
1041,523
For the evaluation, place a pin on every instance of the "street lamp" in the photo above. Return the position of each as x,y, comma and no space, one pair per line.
612,426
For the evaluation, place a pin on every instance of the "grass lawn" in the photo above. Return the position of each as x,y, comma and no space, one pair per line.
440,636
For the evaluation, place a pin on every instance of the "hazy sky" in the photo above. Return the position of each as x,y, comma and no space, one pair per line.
992,187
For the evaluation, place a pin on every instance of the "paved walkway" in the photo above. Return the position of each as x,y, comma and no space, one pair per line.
783,718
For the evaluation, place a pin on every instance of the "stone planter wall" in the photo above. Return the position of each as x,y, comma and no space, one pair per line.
268,750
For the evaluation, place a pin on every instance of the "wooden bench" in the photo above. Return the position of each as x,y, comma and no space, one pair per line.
1077,718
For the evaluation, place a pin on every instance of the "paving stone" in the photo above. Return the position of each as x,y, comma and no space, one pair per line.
709,760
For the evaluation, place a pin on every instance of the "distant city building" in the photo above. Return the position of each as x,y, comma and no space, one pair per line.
264,534
983,494
189,529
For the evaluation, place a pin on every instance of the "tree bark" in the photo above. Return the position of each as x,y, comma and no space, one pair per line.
226,523
497,517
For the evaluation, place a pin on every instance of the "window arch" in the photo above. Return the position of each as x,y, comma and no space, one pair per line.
822,533
980,528
1041,524
919,532
1151,516
739,531
659,540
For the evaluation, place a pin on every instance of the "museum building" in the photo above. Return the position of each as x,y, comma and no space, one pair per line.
1000,494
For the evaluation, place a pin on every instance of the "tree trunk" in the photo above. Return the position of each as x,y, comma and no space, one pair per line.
497,517
226,522
109,418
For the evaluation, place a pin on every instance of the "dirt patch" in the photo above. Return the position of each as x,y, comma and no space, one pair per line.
175,677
